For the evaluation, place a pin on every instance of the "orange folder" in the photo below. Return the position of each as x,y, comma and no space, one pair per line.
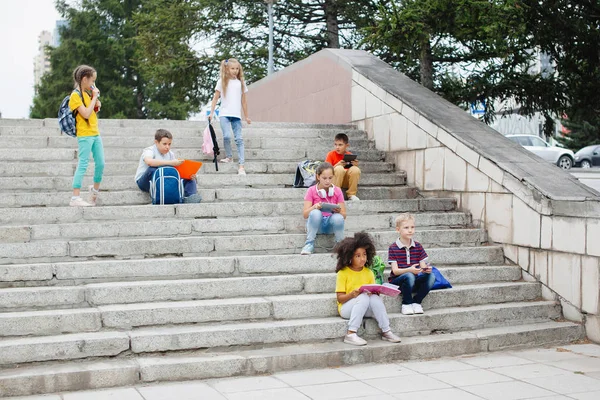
188,168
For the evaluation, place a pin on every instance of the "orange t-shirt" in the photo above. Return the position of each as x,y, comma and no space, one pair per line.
333,157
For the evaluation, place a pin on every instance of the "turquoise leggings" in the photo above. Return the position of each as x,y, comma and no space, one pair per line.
87,145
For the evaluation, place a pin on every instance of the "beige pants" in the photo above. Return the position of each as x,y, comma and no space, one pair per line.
347,178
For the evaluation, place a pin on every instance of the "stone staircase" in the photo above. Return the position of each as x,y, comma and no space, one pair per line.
126,292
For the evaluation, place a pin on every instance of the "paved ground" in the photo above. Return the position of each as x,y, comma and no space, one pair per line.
569,372
589,177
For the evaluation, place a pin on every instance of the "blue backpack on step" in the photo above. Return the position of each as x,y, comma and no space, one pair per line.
166,186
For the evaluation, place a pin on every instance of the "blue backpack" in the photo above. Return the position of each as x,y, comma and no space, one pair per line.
66,117
166,186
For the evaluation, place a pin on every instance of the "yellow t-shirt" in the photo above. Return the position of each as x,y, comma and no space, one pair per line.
349,280
84,128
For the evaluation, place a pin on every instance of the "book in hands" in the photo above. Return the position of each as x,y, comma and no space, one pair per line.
386,289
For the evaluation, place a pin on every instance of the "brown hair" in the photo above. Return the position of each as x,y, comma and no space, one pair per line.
81,72
341,136
161,134
324,166
225,77
346,248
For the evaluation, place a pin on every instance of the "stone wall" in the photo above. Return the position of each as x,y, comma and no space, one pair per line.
547,221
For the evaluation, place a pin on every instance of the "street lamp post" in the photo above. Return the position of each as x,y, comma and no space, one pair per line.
270,12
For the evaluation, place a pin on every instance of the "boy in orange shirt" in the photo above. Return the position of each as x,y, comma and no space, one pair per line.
344,177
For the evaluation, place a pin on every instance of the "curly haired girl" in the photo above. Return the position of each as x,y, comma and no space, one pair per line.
353,253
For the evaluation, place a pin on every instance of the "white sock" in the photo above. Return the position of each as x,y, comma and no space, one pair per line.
95,191
75,197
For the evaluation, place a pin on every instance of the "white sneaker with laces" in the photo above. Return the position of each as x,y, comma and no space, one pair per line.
407,309
354,339
79,202
353,198
417,308
390,337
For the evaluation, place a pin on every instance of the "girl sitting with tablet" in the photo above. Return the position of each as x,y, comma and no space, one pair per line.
324,207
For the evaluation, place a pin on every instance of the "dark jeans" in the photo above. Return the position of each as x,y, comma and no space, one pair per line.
410,284
189,185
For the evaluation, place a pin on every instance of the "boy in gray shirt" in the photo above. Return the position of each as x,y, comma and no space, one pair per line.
160,155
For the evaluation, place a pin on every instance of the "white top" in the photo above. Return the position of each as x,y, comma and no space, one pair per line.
153,152
231,102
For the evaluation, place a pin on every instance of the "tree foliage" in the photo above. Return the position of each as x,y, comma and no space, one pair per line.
569,31
200,33
469,51
102,33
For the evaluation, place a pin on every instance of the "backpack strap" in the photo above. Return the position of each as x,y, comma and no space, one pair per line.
75,112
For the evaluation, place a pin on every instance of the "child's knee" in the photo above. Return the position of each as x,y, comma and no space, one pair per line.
315,215
337,219
339,171
354,171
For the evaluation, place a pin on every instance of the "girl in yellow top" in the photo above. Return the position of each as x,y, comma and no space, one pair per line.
88,134
352,256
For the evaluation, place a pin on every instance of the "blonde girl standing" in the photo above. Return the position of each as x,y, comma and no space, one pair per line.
232,89
84,99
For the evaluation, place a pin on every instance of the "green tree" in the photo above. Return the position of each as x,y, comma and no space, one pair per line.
569,32
102,33
469,51
183,39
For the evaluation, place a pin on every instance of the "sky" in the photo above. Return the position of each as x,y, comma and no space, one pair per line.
21,22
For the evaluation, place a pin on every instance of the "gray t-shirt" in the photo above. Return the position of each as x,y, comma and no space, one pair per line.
152,152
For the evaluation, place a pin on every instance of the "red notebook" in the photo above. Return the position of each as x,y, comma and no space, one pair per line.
188,168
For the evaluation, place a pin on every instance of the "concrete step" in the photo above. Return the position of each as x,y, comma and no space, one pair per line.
62,377
127,182
214,336
215,245
45,215
213,267
140,142
221,225
283,307
173,289
42,168
120,154
133,197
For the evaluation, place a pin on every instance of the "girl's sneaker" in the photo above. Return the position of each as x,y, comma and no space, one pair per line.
79,202
93,195
390,337
354,340
241,171
226,160
308,249
417,308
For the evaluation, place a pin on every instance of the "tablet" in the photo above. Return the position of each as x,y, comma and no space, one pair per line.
188,168
327,207
349,157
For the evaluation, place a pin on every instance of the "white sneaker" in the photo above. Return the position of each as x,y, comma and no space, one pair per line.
93,195
390,337
79,202
241,171
354,339
353,198
407,309
226,160
417,308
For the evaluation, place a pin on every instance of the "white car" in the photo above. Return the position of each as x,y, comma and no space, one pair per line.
556,155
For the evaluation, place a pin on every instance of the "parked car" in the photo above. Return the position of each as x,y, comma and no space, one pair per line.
564,158
588,157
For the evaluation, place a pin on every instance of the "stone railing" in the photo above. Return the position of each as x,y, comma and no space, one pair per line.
546,220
